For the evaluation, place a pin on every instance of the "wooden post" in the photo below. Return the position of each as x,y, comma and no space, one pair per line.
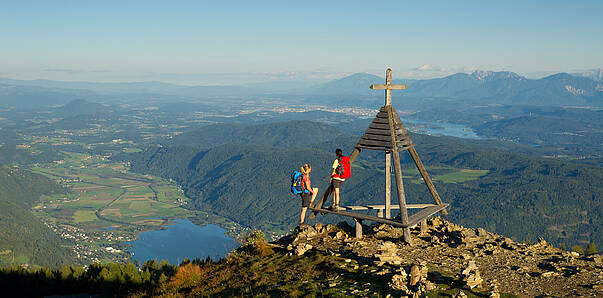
423,226
388,184
388,83
398,171
428,182
358,228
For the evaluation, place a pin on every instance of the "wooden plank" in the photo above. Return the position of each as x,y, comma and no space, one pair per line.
425,213
408,206
379,120
406,147
413,220
367,136
399,185
384,87
385,132
384,144
359,216
382,207
426,178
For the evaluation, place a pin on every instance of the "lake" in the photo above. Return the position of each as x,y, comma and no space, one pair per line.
180,240
441,129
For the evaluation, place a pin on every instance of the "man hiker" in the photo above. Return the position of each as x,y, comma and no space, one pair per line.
338,176
308,193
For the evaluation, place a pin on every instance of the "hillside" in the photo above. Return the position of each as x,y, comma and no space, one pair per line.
281,134
445,259
517,195
23,237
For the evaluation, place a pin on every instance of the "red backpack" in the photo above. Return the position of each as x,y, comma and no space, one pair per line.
344,170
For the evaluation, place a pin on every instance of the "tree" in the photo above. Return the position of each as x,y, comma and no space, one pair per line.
591,249
578,249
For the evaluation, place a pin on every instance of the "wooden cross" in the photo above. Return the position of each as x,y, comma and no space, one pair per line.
388,87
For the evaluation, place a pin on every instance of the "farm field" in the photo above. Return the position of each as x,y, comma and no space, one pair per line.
107,205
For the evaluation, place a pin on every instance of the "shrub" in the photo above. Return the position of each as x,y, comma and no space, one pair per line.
255,243
186,276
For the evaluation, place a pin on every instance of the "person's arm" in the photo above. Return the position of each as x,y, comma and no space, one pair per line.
333,172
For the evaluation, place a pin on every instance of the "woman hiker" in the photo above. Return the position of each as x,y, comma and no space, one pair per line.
336,180
308,194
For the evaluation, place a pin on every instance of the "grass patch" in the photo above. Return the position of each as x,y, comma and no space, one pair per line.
83,216
461,176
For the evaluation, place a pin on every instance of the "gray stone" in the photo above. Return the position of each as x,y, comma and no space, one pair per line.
302,249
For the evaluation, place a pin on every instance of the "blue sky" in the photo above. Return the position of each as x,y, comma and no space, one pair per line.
209,42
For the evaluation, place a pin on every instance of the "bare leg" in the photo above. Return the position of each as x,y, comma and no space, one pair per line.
315,192
336,196
302,217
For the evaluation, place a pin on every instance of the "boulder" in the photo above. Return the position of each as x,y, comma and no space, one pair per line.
470,275
302,248
388,253
398,282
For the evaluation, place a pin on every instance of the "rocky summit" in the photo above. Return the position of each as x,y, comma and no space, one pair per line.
449,258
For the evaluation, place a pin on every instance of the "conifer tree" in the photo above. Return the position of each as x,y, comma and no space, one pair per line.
591,249
578,249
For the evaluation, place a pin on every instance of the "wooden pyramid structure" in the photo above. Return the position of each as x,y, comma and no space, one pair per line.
387,133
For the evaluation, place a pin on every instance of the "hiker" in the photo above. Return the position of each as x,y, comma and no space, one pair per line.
341,170
308,193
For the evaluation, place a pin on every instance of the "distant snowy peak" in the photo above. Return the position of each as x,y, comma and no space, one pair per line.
487,75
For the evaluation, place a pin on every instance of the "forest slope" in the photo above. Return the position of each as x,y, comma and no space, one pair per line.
516,195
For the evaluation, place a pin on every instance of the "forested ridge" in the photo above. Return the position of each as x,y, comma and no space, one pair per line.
522,196
23,237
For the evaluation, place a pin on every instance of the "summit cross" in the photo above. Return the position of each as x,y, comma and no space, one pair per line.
388,87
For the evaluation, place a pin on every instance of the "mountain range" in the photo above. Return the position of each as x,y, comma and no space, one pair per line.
479,87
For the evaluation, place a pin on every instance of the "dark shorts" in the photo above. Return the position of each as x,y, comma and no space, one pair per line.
336,183
306,198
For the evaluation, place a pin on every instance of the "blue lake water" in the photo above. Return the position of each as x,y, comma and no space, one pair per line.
442,129
182,239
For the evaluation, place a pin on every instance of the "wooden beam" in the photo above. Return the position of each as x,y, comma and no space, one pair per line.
384,87
425,213
399,185
388,184
415,217
355,154
428,182
359,216
382,207
318,204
